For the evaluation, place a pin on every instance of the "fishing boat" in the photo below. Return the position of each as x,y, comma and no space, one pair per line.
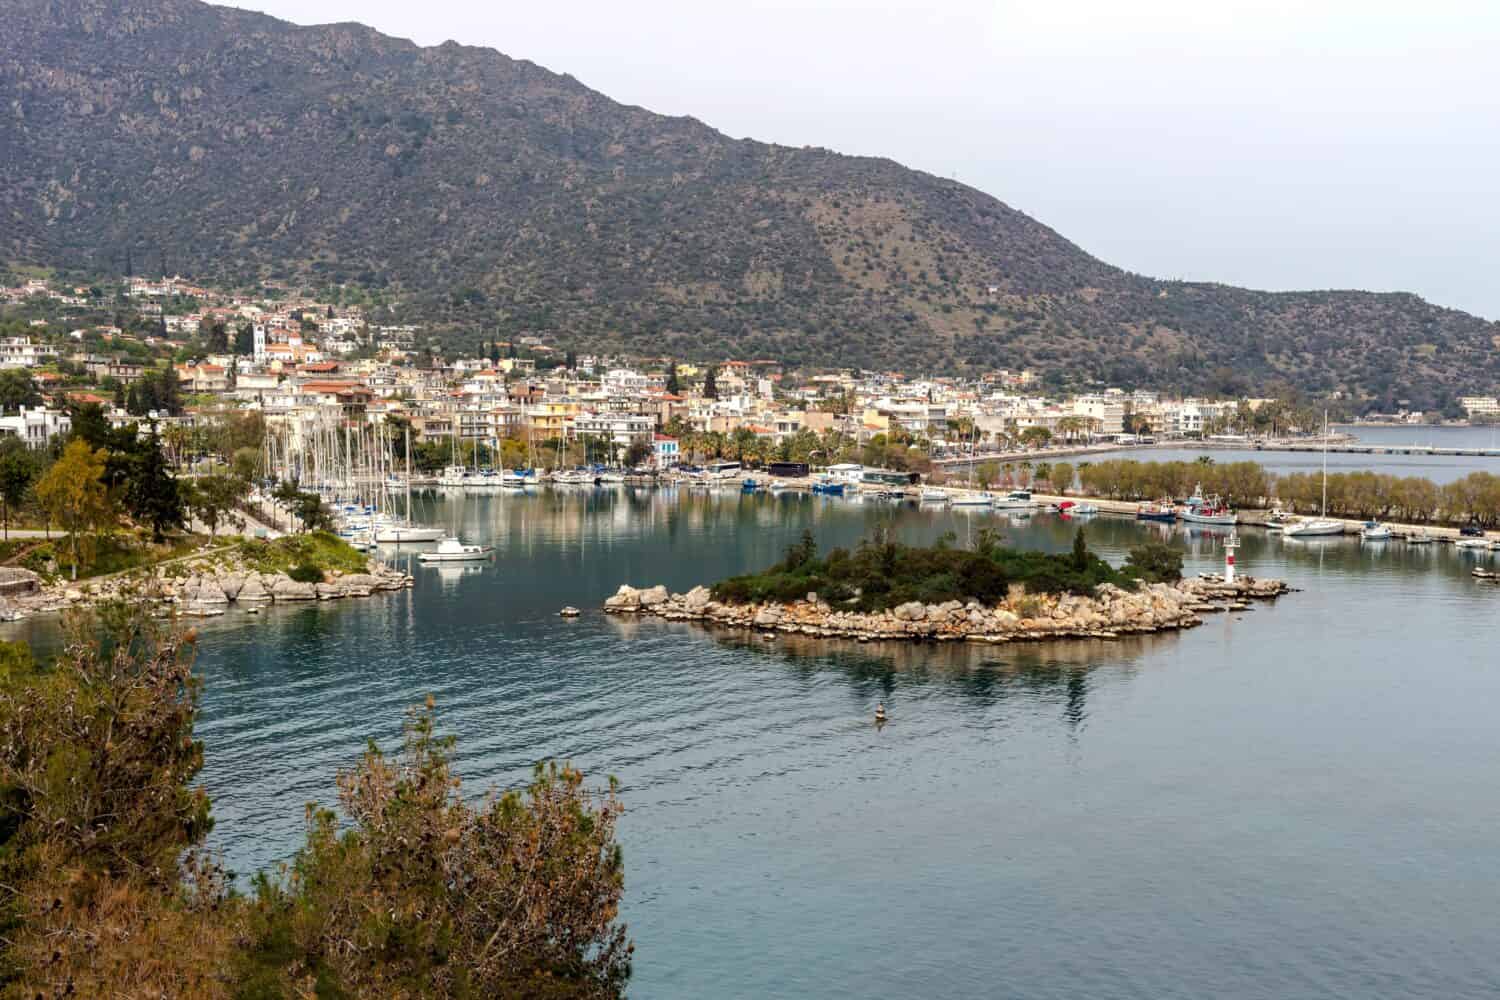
1419,537
1072,509
573,477
749,486
829,488
450,549
932,494
1014,500
1207,510
980,499
1374,531
1320,526
1163,511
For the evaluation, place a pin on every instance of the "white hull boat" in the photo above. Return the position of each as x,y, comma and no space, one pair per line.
452,550
1472,544
974,500
1014,500
932,494
1376,532
398,534
1313,527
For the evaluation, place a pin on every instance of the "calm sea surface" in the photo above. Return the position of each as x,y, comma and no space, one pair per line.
1296,801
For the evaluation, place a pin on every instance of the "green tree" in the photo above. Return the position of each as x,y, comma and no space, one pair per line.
151,493
1155,562
214,498
674,386
711,384
18,469
73,493
244,339
17,389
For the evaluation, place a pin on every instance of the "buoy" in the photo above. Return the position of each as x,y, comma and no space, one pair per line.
880,712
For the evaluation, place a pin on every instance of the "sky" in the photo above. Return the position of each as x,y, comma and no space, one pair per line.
1272,144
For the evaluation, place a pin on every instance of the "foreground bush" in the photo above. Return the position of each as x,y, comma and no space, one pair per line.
416,893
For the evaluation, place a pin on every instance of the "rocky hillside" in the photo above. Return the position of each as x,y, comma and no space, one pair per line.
493,195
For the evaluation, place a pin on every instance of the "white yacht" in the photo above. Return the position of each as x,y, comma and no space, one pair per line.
1312,527
932,494
972,499
1014,500
390,531
450,549
454,475
1374,531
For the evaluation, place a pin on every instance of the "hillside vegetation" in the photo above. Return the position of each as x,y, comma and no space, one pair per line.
488,194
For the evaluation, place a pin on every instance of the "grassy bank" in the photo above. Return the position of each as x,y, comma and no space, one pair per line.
880,573
319,550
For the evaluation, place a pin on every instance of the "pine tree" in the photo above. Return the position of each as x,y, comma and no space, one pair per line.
673,386
711,384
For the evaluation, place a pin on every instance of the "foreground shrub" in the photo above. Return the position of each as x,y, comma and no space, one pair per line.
413,893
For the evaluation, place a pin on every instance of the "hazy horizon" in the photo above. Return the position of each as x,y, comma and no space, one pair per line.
1261,145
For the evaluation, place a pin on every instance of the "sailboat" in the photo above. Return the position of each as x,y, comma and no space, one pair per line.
395,531
1317,527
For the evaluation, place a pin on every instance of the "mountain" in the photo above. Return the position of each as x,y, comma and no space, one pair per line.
494,196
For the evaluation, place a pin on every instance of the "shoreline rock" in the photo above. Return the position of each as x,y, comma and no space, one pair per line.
201,589
1111,613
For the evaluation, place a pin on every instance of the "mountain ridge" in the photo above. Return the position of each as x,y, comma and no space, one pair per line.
496,197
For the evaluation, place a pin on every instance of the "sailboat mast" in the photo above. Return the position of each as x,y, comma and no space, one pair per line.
1325,463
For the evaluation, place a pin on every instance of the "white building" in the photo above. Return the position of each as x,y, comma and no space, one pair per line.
622,429
1480,406
37,427
20,352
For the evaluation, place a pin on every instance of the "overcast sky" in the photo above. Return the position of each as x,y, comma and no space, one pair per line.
1326,144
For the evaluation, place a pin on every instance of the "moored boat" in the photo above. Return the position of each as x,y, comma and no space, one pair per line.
980,499
451,549
1374,531
1162,510
1014,500
1312,527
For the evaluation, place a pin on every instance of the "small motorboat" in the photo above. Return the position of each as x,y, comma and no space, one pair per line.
1472,544
980,499
451,549
1278,519
1419,537
1374,531
1083,509
931,494
1014,500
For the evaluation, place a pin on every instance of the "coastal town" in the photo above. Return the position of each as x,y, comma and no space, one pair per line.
183,356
